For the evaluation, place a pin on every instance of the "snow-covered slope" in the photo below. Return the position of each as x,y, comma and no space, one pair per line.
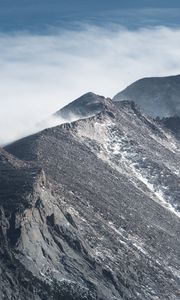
138,148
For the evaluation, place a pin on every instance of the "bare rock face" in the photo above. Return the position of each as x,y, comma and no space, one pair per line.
90,210
155,96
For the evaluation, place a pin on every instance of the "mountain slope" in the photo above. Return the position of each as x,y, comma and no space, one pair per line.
101,216
156,96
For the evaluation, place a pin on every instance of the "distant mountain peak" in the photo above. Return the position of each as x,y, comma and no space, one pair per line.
87,105
156,96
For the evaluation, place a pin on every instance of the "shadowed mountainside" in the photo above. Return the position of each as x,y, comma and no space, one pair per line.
155,96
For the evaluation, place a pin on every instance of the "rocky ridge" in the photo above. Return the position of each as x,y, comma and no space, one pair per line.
92,210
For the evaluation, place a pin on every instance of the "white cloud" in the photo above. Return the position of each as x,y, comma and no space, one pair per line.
41,73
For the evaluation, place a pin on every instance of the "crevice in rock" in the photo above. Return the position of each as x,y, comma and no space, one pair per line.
13,233
50,220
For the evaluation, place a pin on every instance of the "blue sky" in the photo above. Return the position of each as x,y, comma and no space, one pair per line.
43,15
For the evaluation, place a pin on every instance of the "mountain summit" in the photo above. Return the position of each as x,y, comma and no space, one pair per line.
85,106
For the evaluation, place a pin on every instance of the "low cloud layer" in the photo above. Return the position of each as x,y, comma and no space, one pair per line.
41,73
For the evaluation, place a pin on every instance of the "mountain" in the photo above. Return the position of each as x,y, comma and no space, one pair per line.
155,96
85,106
90,209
